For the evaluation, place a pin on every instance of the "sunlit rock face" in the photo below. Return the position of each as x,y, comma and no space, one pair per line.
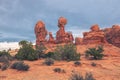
95,36
40,32
61,35
113,35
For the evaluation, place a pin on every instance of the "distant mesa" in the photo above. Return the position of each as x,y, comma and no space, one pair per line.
94,36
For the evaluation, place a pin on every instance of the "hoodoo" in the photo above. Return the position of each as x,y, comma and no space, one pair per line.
40,32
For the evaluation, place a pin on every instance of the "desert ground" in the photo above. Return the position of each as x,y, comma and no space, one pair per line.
106,69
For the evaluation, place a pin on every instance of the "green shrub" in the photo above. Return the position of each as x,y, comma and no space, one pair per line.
59,70
0,66
20,66
26,52
77,63
4,67
5,57
67,52
77,76
49,55
40,50
89,76
49,61
94,53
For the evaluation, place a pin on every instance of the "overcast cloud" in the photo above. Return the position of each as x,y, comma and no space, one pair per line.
18,17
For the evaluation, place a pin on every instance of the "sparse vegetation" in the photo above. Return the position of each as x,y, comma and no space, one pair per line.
77,63
26,52
48,61
5,57
20,66
49,54
95,53
78,76
89,76
59,70
93,64
4,67
40,51
67,52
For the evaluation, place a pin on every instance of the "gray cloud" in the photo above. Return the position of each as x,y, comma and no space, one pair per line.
18,17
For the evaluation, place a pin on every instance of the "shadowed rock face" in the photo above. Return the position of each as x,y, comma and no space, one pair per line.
113,35
95,36
40,32
61,35
51,38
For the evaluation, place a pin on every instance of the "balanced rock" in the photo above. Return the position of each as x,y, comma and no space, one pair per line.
61,35
95,36
40,32
113,35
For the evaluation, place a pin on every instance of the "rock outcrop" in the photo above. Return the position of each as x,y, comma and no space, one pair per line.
40,32
61,35
78,40
51,38
113,35
95,36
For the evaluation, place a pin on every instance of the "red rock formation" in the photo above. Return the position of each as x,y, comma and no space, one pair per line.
113,35
69,37
95,36
78,40
40,32
51,38
61,35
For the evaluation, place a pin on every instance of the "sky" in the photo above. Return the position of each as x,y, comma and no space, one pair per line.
18,17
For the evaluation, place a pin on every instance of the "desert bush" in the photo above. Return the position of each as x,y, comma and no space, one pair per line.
4,67
48,61
0,66
89,76
5,57
95,53
40,50
67,52
26,52
49,55
59,70
77,63
78,76
93,64
20,66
